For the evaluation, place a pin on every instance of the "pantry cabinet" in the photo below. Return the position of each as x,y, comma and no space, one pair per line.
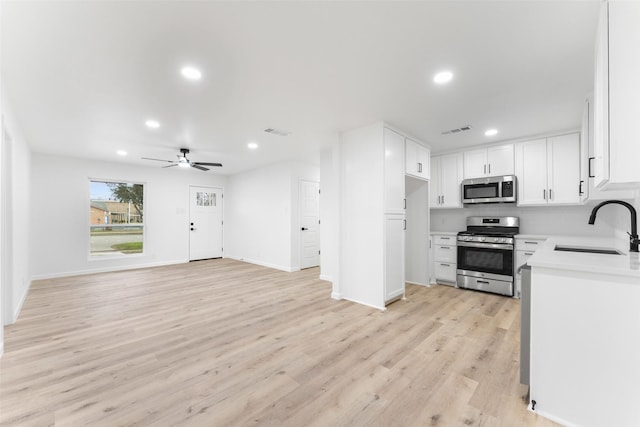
616,100
446,175
372,237
490,161
416,159
548,170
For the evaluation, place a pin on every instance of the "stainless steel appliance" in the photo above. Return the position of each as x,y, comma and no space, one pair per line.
494,189
485,254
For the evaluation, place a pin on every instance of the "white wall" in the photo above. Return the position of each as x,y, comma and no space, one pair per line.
60,218
330,217
19,206
543,220
261,206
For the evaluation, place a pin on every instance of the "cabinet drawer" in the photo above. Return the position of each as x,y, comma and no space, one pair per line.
529,245
521,259
445,253
444,240
445,271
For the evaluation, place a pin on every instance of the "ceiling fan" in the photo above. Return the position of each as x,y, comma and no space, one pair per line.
183,162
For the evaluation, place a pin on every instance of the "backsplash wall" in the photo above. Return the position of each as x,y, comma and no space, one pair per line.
543,220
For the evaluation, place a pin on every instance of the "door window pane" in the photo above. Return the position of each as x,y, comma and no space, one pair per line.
116,211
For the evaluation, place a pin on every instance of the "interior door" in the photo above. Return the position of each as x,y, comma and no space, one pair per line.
309,226
205,217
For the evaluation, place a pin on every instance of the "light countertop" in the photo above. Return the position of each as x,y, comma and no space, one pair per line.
444,233
532,236
627,264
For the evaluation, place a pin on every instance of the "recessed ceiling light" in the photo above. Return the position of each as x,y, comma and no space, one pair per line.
443,77
191,73
153,124
121,153
491,132
252,145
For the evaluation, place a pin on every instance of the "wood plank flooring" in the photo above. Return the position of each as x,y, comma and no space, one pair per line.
226,343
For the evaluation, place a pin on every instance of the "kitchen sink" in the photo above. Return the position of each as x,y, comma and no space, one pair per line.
586,249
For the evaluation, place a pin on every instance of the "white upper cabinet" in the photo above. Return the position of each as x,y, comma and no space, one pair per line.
446,175
563,169
587,165
416,159
393,172
548,170
491,161
616,100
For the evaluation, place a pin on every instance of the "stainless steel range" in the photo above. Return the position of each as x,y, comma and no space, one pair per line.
485,254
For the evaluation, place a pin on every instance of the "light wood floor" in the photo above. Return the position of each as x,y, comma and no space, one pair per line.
217,343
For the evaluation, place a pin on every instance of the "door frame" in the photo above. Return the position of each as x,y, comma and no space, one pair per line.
299,228
6,235
189,215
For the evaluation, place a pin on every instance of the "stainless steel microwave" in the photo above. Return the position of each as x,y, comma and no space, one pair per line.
494,189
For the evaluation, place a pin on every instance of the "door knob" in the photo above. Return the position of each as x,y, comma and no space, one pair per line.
192,229
304,228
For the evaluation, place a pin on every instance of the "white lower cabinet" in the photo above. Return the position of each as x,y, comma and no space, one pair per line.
394,257
444,258
525,248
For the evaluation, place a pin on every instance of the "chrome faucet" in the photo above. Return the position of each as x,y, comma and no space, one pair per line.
633,236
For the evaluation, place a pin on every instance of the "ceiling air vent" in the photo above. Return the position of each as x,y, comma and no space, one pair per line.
278,132
457,130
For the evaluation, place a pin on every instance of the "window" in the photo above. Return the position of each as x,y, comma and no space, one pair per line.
116,218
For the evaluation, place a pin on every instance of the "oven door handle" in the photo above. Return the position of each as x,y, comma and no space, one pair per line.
503,246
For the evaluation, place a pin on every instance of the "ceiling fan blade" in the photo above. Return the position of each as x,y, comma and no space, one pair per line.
170,166
207,164
157,160
193,165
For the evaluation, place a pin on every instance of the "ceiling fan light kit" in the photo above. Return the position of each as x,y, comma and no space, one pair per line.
184,162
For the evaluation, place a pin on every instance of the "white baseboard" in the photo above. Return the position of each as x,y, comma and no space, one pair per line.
336,295
419,284
326,277
108,269
18,309
364,303
264,264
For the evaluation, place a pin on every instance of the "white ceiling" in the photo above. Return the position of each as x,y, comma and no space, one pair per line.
83,77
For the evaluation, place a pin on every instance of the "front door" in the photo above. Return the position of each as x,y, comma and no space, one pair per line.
309,227
205,217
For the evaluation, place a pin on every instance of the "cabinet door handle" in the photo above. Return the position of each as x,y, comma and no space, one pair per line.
405,224
531,243
482,281
405,203
445,238
544,194
550,194
528,253
445,247
580,192
489,168
445,265
589,173
420,167
485,169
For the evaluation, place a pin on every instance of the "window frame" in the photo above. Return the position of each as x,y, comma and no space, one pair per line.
117,254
